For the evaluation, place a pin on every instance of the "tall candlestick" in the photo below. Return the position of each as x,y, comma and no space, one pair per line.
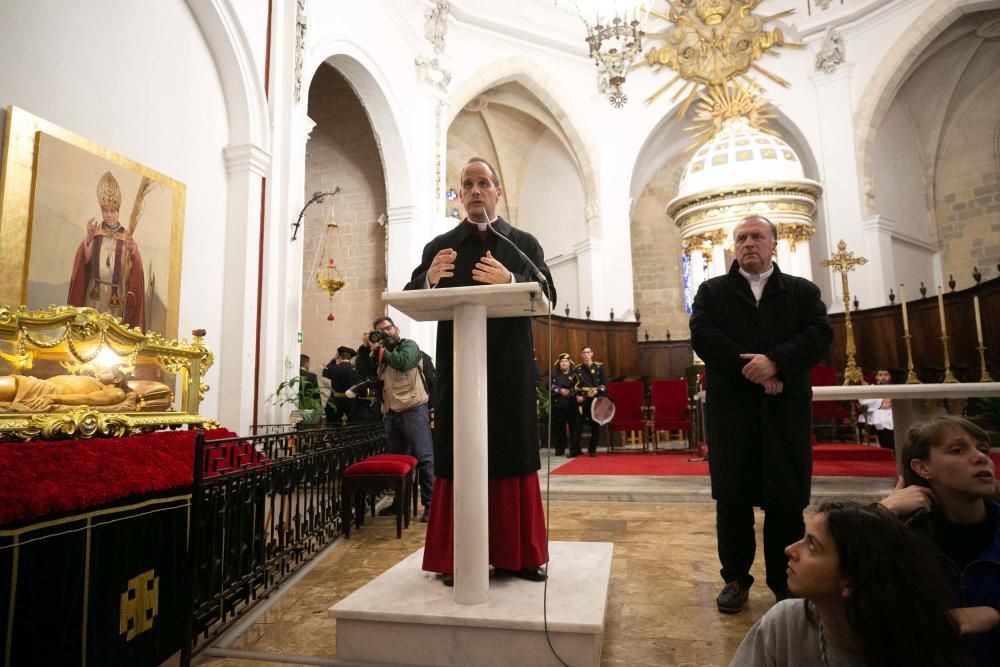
902,302
944,330
979,322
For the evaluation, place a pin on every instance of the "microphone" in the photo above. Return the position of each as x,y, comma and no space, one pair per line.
539,276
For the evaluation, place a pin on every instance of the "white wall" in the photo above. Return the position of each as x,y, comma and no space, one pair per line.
900,190
552,201
136,78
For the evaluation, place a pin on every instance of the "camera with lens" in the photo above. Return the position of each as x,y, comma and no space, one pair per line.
375,337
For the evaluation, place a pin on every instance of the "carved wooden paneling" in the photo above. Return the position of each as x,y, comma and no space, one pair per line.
878,335
665,359
614,343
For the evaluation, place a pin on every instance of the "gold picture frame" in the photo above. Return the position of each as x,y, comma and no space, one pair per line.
49,186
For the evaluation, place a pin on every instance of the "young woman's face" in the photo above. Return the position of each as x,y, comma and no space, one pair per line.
564,365
813,564
959,464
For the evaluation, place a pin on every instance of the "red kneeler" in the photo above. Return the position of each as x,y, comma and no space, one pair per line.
369,477
412,462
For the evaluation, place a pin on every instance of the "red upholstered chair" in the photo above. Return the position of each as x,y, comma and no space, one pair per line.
670,407
410,461
831,416
365,479
629,410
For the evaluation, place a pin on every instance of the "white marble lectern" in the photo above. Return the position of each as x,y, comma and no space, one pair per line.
470,307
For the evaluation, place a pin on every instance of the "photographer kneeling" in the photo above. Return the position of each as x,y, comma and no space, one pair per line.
396,361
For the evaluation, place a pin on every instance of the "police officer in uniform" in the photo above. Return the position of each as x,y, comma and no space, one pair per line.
591,383
564,407
342,375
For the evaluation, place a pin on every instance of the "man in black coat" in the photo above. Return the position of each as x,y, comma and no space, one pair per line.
471,254
759,332
342,375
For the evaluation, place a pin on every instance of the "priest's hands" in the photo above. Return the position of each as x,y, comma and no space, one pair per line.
761,370
442,266
758,368
772,386
490,271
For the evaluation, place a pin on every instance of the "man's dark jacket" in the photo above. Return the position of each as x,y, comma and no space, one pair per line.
510,383
760,447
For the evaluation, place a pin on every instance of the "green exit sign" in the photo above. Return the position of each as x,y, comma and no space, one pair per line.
300,336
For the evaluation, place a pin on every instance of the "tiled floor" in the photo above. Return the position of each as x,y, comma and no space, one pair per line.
664,577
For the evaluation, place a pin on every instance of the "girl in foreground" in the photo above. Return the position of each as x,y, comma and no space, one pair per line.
947,493
871,596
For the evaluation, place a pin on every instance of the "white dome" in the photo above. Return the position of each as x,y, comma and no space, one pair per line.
739,154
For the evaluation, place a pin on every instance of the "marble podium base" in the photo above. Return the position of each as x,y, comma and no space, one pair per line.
408,617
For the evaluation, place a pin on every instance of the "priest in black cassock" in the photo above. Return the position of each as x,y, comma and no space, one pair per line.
471,254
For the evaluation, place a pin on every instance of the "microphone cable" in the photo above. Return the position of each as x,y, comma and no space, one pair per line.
548,499
543,284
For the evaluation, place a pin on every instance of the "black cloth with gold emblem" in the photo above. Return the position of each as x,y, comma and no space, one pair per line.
102,587
510,376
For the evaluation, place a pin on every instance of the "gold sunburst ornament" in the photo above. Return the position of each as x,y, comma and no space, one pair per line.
712,42
717,104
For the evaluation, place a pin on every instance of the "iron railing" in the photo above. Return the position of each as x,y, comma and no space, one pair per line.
261,508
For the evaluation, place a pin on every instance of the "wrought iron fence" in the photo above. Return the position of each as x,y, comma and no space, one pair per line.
261,508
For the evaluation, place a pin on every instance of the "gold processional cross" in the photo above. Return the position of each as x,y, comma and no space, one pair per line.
842,262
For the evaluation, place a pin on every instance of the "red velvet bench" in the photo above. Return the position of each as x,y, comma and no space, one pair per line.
414,480
369,477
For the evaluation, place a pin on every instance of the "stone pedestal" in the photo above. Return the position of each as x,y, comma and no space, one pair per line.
408,617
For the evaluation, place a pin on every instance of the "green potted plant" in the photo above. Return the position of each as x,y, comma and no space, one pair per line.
544,401
304,396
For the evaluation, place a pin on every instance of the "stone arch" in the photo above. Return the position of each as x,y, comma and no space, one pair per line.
246,101
538,83
893,71
365,77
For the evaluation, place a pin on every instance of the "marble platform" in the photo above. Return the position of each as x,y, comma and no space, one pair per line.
408,617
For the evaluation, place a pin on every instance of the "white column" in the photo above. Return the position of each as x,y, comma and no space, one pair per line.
408,229
785,260
472,563
838,165
803,260
878,249
589,270
719,260
697,256
246,166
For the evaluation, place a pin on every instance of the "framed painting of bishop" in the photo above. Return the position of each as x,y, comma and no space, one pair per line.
82,225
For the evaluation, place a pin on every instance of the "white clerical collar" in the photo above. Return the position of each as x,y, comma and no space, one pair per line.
757,277
481,226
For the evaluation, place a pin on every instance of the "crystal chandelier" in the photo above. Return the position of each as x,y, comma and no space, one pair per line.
614,34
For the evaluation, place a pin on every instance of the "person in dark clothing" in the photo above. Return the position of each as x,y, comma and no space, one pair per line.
470,254
759,332
947,492
308,382
564,407
592,382
340,408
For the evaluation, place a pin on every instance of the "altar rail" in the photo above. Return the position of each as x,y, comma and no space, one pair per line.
261,508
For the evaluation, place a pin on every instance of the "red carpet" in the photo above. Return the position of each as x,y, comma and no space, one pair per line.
828,461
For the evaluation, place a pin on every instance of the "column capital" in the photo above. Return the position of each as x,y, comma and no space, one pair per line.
247,158
879,224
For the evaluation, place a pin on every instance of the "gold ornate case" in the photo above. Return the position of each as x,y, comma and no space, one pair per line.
69,372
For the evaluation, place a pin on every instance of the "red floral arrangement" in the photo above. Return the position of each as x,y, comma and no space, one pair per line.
53,477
